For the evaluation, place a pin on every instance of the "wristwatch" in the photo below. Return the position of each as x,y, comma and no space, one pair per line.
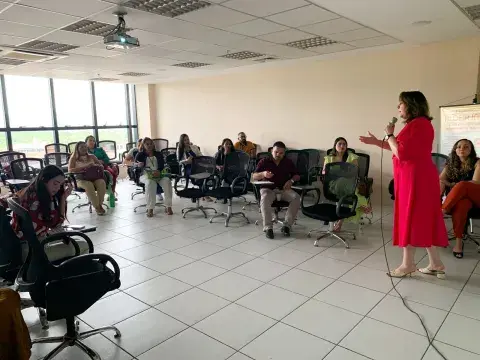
388,136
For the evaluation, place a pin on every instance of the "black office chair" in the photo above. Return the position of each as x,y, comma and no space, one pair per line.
235,173
329,151
56,148
65,290
6,157
339,185
160,144
26,168
10,249
168,151
59,159
201,175
129,146
365,182
71,147
440,161
110,147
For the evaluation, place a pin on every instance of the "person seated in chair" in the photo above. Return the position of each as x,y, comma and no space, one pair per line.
151,160
103,158
186,151
223,151
45,199
246,146
79,162
341,154
282,172
130,159
461,177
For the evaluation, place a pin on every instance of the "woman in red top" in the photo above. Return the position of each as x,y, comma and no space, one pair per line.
418,219
46,201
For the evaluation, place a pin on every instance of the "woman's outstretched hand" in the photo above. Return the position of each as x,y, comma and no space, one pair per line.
369,140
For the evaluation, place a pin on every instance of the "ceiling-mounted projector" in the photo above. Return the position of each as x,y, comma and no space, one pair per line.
118,38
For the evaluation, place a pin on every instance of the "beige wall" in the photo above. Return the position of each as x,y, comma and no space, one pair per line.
309,104
146,110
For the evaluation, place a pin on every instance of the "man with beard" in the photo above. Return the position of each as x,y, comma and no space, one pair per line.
246,146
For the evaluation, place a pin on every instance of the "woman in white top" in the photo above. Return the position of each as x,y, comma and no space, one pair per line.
149,158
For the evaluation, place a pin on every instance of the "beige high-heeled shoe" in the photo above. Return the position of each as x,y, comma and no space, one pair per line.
440,274
400,274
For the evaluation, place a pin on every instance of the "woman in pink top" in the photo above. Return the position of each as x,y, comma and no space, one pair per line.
418,219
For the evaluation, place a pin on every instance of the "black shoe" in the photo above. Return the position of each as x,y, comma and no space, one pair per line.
269,234
286,231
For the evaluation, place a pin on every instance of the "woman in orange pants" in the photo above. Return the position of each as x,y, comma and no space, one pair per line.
462,176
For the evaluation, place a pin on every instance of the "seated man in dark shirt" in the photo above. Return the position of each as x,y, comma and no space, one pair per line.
283,174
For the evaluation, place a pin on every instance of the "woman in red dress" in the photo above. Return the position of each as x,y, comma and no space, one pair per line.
418,219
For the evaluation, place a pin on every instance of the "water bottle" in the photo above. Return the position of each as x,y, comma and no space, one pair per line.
111,198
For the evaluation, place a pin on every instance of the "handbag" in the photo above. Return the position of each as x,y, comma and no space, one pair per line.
91,173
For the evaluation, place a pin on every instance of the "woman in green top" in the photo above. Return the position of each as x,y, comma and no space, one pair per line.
102,156
340,153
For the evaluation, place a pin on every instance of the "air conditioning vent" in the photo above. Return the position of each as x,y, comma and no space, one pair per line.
23,55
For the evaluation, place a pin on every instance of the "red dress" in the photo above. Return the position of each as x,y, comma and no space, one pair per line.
418,219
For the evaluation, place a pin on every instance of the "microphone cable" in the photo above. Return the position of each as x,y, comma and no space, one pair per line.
404,301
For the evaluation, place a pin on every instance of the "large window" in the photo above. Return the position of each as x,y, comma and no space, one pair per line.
77,109
73,102
32,143
28,100
120,136
3,142
110,99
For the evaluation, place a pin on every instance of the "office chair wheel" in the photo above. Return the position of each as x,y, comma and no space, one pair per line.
256,222
354,237
315,243
309,236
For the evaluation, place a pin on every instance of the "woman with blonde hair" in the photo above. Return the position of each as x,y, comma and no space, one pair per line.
89,174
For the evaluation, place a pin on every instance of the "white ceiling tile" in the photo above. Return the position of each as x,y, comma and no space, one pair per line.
376,41
286,36
12,40
94,52
332,48
212,50
216,16
331,27
363,33
288,52
81,8
31,16
149,38
72,38
22,30
183,44
155,51
256,27
220,37
251,44
185,56
264,7
303,16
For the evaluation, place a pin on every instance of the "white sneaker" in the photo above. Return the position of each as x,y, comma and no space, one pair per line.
160,197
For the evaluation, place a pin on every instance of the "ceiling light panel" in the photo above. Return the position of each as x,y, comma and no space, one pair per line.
136,74
242,55
90,27
190,65
48,46
311,43
103,79
169,8
7,61
473,11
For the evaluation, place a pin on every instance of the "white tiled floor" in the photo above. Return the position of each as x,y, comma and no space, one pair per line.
192,290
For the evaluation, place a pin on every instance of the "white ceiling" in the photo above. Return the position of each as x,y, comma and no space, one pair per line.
227,26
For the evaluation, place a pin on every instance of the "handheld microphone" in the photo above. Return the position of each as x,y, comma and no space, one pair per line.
392,122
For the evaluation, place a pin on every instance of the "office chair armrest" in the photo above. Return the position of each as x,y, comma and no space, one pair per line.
83,259
69,234
347,200
177,179
313,173
304,192
242,181
212,178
